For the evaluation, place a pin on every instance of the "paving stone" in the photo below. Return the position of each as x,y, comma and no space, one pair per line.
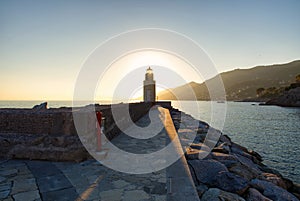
160,198
91,179
131,187
135,195
111,195
9,172
53,183
28,196
105,184
23,170
3,161
23,185
79,180
60,195
159,188
63,165
8,199
21,177
4,194
42,168
88,194
120,183
61,181
5,186
162,180
2,179
12,163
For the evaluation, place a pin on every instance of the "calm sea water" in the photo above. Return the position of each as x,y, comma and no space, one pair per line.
51,104
272,131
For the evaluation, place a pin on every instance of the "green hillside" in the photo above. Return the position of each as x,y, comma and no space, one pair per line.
239,84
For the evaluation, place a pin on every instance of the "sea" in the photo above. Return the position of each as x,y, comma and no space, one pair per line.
272,131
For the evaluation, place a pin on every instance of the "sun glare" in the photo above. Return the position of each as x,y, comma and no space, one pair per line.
122,67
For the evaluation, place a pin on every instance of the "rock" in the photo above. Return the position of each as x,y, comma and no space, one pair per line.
229,163
272,191
226,139
40,107
244,171
203,127
297,195
223,148
255,195
200,138
265,168
239,147
248,162
256,155
221,156
60,141
220,150
201,188
296,188
278,180
290,98
206,170
288,183
215,194
210,143
241,152
230,182
199,146
193,154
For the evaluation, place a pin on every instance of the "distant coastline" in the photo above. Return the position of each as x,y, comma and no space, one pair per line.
241,84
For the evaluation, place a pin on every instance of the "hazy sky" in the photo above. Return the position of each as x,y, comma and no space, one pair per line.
44,43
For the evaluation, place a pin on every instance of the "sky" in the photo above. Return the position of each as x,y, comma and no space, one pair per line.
45,43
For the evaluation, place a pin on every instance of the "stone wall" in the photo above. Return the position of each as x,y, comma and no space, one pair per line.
50,134
27,121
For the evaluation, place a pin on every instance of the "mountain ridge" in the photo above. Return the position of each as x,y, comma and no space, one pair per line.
239,84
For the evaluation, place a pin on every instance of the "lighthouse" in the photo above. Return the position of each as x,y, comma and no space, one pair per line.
149,86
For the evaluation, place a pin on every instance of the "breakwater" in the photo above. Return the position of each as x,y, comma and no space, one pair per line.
229,172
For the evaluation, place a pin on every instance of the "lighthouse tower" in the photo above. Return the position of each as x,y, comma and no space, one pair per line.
149,86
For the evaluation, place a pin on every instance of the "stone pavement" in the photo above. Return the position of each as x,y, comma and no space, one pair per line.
42,180
25,180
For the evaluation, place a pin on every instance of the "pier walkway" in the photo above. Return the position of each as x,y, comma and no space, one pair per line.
90,180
